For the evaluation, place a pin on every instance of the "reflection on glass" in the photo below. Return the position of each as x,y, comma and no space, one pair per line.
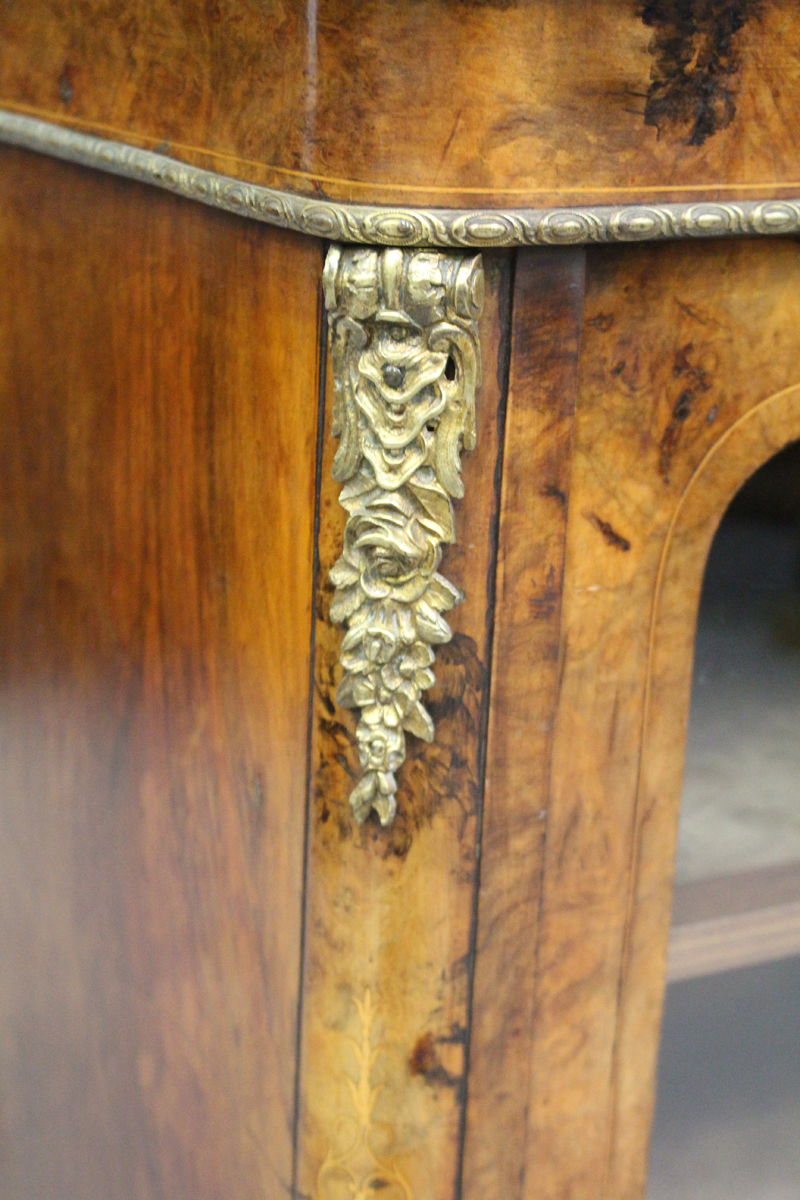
728,1109
742,778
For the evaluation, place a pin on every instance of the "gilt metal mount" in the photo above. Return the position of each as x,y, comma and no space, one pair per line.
409,225
406,362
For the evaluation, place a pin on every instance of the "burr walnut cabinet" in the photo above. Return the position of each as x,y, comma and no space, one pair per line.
343,693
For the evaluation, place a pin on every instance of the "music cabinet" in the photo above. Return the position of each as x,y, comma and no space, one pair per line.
373,378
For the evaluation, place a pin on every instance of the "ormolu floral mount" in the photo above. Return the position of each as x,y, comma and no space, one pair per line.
406,362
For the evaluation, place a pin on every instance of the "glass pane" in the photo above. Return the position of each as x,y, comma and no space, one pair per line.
728,1105
742,777
728,1108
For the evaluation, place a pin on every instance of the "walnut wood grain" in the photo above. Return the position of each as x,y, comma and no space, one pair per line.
470,104
547,314
389,912
158,409
681,349
157,439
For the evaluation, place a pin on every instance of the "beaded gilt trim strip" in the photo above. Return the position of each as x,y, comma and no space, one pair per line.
400,226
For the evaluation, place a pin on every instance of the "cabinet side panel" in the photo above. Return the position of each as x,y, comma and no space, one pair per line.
157,444
389,911
547,312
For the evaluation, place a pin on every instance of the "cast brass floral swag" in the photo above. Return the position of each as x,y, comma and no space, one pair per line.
406,362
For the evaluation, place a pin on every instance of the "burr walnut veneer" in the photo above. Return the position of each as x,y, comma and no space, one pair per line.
218,978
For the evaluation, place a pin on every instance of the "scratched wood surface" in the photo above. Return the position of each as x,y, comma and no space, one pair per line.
389,912
157,440
526,102
680,348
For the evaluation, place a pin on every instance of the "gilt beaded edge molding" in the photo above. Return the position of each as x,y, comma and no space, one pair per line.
406,362
400,226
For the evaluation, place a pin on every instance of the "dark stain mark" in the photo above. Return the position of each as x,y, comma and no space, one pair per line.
253,806
424,1061
603,321
689,310
693,79
554,493
683,365
258,799
456,1037
683,406
544,601
672,433
610,535
619,368
695,380
423,1057
449,141
65,88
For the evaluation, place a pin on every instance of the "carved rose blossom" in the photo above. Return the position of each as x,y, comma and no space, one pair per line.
405,357
381,752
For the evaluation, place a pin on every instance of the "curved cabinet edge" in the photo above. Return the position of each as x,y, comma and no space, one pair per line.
391,225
